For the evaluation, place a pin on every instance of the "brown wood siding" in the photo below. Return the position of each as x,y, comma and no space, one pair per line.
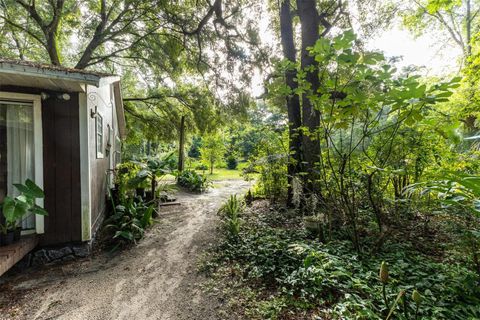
61,166
61,159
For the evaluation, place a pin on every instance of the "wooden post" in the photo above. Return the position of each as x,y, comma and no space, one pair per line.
181,146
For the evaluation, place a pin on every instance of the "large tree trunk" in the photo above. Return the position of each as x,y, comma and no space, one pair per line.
293,100
52,49
309,20
181,146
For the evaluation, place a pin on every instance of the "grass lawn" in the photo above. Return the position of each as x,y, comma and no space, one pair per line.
219,173
222,174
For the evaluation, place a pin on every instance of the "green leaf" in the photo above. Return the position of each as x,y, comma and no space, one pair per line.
147,217
22,188
14,209
322,46
124,234
39,210
35,190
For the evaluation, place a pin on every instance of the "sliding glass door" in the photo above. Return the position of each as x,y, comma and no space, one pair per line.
17,150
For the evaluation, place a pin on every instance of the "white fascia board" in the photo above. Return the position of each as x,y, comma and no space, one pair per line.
12,68
107,80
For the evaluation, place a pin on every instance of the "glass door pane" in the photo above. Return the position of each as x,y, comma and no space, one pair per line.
17,156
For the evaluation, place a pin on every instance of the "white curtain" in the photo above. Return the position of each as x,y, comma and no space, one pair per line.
20,150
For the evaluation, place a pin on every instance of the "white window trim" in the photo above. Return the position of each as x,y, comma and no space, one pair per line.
38,144
85,150
100,154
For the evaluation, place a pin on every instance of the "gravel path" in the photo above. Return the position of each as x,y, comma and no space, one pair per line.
157,279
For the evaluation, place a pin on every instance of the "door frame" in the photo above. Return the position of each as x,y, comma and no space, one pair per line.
37,141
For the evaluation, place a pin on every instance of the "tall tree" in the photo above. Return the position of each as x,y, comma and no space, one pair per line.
293,100
311,20
181,145
310,23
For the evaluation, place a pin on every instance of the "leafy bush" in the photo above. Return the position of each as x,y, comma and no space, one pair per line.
334,281
193,181
125,172
194,151
270,160
202,167
232,162
152,170
459,197
231,213
128,222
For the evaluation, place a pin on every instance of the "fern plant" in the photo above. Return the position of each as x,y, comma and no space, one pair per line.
231,212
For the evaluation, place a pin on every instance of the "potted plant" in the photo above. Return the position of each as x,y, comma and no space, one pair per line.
14,209
150,172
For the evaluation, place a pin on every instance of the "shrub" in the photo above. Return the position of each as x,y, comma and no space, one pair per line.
128,222
152,170
193,181
333,279
202,167
232,162
230,212
124,172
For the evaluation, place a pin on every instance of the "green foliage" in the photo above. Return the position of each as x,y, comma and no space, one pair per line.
232,162
201,166
441,18
152,170
129,221
230,212
270,159
124,173
341,284
212,150
458,195
13,209
374,133
194,151
193,181
458,190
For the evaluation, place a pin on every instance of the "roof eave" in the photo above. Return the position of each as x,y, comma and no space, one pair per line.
11,68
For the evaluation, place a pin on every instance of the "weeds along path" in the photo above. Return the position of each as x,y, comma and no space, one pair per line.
157,279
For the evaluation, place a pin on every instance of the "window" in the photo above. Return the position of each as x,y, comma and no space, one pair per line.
99,135
118,152
17,153
21,149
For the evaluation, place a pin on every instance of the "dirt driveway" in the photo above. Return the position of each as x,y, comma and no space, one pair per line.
157,279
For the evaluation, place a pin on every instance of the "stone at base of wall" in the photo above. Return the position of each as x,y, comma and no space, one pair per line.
43,256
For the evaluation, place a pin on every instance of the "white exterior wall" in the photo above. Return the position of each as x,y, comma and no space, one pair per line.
95,169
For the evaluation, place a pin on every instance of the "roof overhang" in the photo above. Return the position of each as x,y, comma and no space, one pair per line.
50,77
122,125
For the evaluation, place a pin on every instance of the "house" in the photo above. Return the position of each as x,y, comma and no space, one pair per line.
63,129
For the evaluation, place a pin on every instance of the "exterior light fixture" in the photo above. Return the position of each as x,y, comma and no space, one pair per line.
44,96
93,114
64,96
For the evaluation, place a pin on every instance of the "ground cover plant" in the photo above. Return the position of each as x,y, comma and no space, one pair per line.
296,275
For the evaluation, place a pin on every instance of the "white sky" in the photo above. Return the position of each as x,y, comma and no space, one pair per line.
438,58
